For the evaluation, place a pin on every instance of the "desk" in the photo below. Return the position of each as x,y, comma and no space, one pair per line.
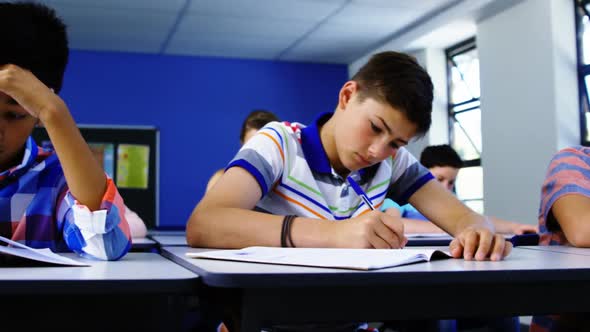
170,240
562,249
142,291
165,232
529,281
416,240
143,244
429,240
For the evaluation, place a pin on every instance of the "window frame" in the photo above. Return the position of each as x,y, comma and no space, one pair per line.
583,70
454,50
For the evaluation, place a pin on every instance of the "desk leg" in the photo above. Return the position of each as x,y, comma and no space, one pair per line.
218,305
250,320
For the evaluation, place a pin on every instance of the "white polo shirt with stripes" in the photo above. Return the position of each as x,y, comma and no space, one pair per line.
295,176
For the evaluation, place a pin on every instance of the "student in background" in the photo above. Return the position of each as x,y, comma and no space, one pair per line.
253,122
444,163
61,200
564,213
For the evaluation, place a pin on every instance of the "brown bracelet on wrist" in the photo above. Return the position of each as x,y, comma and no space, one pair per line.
286,231
289,231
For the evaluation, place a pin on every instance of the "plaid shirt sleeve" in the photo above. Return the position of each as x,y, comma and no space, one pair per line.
102,234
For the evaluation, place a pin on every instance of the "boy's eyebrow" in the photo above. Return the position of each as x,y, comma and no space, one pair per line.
389,131
385,124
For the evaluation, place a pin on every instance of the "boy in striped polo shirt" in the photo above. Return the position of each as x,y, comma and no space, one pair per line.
289,169
563,220
63,200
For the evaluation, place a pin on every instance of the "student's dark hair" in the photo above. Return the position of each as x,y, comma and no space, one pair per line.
34,38
440,155
398,80
256,120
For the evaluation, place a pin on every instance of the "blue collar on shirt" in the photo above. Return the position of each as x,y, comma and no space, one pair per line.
313,149
312,146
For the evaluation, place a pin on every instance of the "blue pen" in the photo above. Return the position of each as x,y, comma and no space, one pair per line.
359,191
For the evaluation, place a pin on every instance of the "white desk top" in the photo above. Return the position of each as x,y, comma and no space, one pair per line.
521,265
136,272
561,249
525,283
170,240
142,243
165,232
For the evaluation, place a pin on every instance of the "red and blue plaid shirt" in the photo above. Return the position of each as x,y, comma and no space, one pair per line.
568,174
37,209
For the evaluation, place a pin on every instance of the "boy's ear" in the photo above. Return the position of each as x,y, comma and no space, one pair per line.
348,90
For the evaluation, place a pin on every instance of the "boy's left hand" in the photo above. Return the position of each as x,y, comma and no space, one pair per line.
28,91
480,243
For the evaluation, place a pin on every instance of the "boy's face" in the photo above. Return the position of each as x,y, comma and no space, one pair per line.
367,131
16,125
446,175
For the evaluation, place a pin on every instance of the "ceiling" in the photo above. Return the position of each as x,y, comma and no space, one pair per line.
325,31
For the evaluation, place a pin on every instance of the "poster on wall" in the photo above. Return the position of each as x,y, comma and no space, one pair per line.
132,166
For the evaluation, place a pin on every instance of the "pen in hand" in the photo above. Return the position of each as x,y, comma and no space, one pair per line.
359,191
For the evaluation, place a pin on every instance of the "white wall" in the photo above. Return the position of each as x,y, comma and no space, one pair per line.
529,101
529,93
434,61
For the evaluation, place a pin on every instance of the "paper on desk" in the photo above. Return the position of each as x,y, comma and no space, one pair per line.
41,255
356,259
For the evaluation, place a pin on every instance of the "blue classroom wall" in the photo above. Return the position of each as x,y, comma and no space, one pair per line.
198,103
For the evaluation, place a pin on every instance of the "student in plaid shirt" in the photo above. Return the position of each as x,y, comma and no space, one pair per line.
62,200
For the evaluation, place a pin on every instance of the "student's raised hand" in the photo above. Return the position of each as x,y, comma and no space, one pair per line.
29,92
375,229
479,243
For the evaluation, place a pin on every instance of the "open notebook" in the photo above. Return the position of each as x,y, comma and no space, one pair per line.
21,251
356,259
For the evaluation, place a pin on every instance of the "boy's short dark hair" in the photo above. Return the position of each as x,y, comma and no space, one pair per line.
256,120
440,155
34,38
398,80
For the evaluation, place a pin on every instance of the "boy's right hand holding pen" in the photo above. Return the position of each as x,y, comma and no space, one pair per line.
374,229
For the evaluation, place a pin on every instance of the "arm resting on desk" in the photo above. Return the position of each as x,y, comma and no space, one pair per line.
572,212
224,219
101,234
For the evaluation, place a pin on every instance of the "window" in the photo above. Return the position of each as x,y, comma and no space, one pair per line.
583,38
465,120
